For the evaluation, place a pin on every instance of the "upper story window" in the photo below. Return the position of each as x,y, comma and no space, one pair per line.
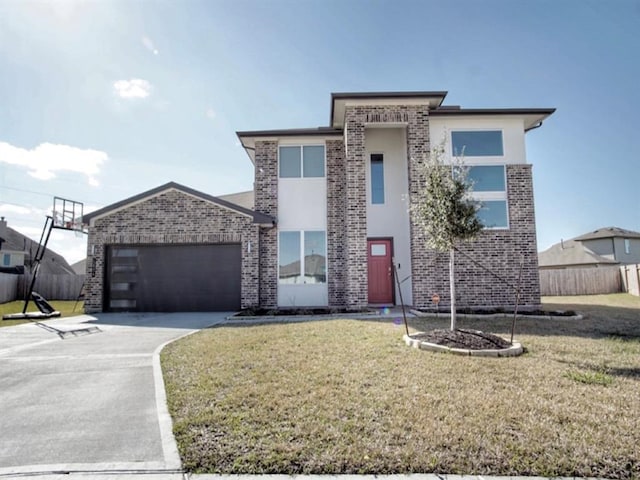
627,246
377,178
6,259
301,161
477,143
490,189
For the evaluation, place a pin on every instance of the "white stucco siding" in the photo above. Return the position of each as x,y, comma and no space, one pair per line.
302,203
512,136
391,219
302,206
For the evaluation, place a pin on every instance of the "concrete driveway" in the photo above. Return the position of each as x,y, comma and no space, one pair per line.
92,402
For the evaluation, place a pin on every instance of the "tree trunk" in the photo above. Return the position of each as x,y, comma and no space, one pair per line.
452,287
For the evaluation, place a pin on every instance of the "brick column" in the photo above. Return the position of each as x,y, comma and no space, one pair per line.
423,260
356,210
336,226
266,201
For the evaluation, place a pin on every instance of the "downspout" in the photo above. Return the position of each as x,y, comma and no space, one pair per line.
534,127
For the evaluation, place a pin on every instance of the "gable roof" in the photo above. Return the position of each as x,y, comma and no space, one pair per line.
571,253
608,232
257,217
51,263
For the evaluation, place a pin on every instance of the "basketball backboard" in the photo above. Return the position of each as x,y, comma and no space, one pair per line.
67,214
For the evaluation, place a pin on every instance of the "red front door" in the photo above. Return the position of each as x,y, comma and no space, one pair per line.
380,271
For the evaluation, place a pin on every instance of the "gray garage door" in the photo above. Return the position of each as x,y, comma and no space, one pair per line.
173,278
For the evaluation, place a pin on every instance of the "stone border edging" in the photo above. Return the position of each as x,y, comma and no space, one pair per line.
513,351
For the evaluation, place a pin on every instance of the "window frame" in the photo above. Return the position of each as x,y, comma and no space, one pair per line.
473,130
493,196
371,189
627,246
301,256
301,146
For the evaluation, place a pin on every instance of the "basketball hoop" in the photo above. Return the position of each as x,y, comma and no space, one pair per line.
67,215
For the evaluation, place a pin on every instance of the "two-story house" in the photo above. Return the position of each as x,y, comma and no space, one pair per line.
331,217
602,247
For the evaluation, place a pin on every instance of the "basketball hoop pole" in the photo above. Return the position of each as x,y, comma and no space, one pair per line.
66,215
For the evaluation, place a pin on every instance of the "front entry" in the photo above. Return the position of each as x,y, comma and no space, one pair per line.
379,256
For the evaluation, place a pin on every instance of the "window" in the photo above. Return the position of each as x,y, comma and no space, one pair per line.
477,143
6,259
305,161
627,246
302,257
493,214
377,179
489,189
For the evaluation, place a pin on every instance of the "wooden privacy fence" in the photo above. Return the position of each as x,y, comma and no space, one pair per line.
52,287
580,281
631,278
8,287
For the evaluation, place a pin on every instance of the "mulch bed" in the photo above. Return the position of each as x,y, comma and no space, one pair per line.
463,338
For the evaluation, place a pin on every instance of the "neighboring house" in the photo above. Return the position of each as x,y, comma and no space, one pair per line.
17,250
603,247
80,267
330,218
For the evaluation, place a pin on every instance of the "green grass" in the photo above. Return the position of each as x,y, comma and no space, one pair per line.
64,307
347,396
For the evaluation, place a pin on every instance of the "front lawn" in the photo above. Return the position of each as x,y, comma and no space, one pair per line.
63,306
348,396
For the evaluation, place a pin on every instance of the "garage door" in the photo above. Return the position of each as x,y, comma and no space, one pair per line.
175,278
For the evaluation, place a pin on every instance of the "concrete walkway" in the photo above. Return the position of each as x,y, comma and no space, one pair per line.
89,402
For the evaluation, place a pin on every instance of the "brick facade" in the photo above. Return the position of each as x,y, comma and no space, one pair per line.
500,251
416,119
336,223
266,201
171,217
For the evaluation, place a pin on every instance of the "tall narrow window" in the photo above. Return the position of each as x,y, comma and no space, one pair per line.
377,179
290,261
627,246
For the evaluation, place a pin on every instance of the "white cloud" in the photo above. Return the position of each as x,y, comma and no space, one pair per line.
210,113
7,210
44,161
134,88
148,43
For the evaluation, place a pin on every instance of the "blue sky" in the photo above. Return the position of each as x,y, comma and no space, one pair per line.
101,100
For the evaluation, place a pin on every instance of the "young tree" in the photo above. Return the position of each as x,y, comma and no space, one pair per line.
445,211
